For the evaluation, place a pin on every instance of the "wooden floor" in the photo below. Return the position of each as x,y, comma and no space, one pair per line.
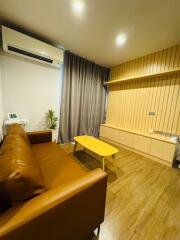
143,197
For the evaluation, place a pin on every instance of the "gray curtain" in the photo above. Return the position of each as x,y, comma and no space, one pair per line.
83,98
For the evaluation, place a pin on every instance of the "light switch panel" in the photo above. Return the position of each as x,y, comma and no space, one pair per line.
151,114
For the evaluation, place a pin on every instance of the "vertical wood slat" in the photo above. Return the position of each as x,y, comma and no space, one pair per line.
130,102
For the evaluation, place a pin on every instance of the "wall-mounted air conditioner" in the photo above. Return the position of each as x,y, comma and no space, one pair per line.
20,44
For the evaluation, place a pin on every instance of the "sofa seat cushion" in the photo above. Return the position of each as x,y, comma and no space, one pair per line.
56,165
20,175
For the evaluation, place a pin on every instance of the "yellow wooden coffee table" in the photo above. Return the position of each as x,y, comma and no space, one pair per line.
96,146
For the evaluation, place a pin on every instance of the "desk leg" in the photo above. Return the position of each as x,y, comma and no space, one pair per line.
103,163
75,145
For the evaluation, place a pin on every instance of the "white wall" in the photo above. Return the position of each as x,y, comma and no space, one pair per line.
29,89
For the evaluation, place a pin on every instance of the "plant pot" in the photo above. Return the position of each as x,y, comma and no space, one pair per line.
54,135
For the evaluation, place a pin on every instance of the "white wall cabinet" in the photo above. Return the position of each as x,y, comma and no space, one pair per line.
110,133
162,151
126,138
142,143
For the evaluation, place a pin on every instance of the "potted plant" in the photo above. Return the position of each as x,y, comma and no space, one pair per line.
51,123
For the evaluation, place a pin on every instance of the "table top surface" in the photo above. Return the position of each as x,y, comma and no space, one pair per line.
95,145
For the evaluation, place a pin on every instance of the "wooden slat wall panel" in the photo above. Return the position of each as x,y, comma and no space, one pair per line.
130,102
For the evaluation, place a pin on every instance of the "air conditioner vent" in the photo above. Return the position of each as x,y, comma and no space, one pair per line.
25,46
29,54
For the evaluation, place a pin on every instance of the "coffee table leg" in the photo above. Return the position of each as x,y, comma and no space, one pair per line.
114,160
103,163
75,145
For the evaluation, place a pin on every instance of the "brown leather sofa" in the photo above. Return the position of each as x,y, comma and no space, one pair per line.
71,207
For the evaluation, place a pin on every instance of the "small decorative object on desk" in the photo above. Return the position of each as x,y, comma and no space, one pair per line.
14,118
51,123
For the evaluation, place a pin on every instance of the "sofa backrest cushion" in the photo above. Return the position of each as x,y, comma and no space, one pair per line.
16,129
20,175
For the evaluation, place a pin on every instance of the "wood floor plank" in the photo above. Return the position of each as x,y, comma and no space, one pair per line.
143,197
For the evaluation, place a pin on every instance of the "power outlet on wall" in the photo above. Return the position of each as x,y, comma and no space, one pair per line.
151,114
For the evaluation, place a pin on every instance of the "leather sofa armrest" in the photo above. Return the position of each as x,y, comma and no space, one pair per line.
70,211
40,136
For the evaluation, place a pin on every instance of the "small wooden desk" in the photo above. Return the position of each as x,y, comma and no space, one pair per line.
96,146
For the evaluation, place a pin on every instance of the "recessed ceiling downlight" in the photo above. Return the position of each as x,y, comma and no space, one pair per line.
78,6
121,39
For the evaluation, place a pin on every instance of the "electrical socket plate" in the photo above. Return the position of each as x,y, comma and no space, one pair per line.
151,114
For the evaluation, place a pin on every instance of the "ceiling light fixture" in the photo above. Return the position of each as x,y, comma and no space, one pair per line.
78,6
121,39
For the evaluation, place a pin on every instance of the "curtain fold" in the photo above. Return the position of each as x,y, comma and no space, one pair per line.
83,98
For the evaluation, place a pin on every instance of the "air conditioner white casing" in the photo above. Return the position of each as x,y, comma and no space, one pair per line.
22,45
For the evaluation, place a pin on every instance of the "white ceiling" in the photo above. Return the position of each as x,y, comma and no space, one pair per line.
150,25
